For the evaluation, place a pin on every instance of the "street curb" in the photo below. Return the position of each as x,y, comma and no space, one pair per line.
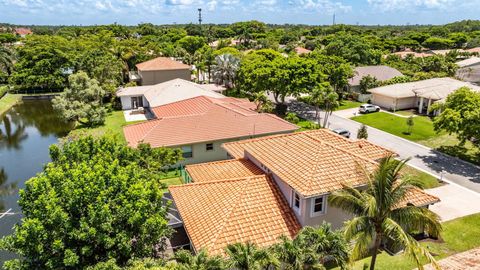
417,144
446,180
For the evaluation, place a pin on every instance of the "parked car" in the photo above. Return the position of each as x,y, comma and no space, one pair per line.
342,132
368,108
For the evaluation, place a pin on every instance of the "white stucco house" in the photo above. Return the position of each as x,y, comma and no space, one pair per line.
469,70
147,96
420,95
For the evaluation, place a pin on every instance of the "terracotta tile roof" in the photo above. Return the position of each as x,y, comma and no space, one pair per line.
23,31
360,147
161,63
312,162
220,170
218,213
419,198
196,120
467,260
300,50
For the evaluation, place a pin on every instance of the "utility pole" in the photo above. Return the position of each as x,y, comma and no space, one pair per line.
333,18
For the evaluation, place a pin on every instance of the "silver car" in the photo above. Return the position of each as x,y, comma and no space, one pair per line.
368,108
342,132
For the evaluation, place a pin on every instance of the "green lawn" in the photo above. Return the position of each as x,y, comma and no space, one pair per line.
171,181
114,123
426,179
406,112
422,133
7,101
348,104
306,125
458,235
422,129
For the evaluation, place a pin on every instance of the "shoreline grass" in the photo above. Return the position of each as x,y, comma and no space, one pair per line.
8,101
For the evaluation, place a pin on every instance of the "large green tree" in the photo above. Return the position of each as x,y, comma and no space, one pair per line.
81,101
460,115
380,216
98,200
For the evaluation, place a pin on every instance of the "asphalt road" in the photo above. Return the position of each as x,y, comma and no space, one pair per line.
443,166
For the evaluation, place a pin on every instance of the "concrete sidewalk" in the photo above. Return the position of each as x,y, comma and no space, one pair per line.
447,168
455,202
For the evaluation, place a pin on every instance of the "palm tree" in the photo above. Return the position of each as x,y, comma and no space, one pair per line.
6,60
186,260
379,218
5,189
312,248
225,70
329,245
260,99
295,255
11,139
248,257
323,97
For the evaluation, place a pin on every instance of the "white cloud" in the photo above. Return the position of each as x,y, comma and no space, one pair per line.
324,6
390,5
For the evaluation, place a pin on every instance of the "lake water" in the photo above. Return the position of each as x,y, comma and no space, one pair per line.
26,132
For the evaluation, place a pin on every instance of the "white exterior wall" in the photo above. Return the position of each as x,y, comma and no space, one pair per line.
392,103
127,102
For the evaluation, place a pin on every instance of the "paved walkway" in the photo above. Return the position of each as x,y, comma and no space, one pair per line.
455,202
444,167
468,260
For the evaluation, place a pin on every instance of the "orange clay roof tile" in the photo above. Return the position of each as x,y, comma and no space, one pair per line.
202,119
218,213
161,63
225,169
314,162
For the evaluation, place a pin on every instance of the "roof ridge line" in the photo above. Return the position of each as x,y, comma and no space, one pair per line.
213,162
239,198
235,179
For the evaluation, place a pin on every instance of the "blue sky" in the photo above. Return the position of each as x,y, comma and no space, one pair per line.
131,12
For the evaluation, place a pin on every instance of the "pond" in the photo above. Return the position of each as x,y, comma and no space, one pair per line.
26,132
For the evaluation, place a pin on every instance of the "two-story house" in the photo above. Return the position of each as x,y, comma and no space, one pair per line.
273,186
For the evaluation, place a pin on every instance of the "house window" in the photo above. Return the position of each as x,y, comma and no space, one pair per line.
209,146
296,201
187,151
318,206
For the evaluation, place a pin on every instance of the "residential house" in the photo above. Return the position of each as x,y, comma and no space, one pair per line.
273,186
407,52
381,73
469,70
420,94
159,70
200,125
148,96
23,32
301,50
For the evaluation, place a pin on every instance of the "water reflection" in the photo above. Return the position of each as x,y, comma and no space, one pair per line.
26,132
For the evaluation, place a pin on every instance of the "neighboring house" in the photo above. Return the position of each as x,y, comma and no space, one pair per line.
300,50
159,70
23,32
381,73
420,94
200,125
405,53
274,186
469,70
164,93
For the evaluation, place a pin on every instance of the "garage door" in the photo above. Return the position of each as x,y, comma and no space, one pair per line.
383,101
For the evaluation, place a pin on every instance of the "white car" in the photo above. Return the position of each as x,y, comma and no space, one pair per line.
368,108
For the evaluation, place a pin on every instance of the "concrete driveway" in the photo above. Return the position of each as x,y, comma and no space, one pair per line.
444,167
455,202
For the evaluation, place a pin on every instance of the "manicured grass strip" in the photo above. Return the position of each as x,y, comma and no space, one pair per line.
307,125
458,235
426,179
8,101
171,181
114,123
348,104
422,129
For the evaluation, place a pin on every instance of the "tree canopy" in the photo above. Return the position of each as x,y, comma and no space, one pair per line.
98,200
